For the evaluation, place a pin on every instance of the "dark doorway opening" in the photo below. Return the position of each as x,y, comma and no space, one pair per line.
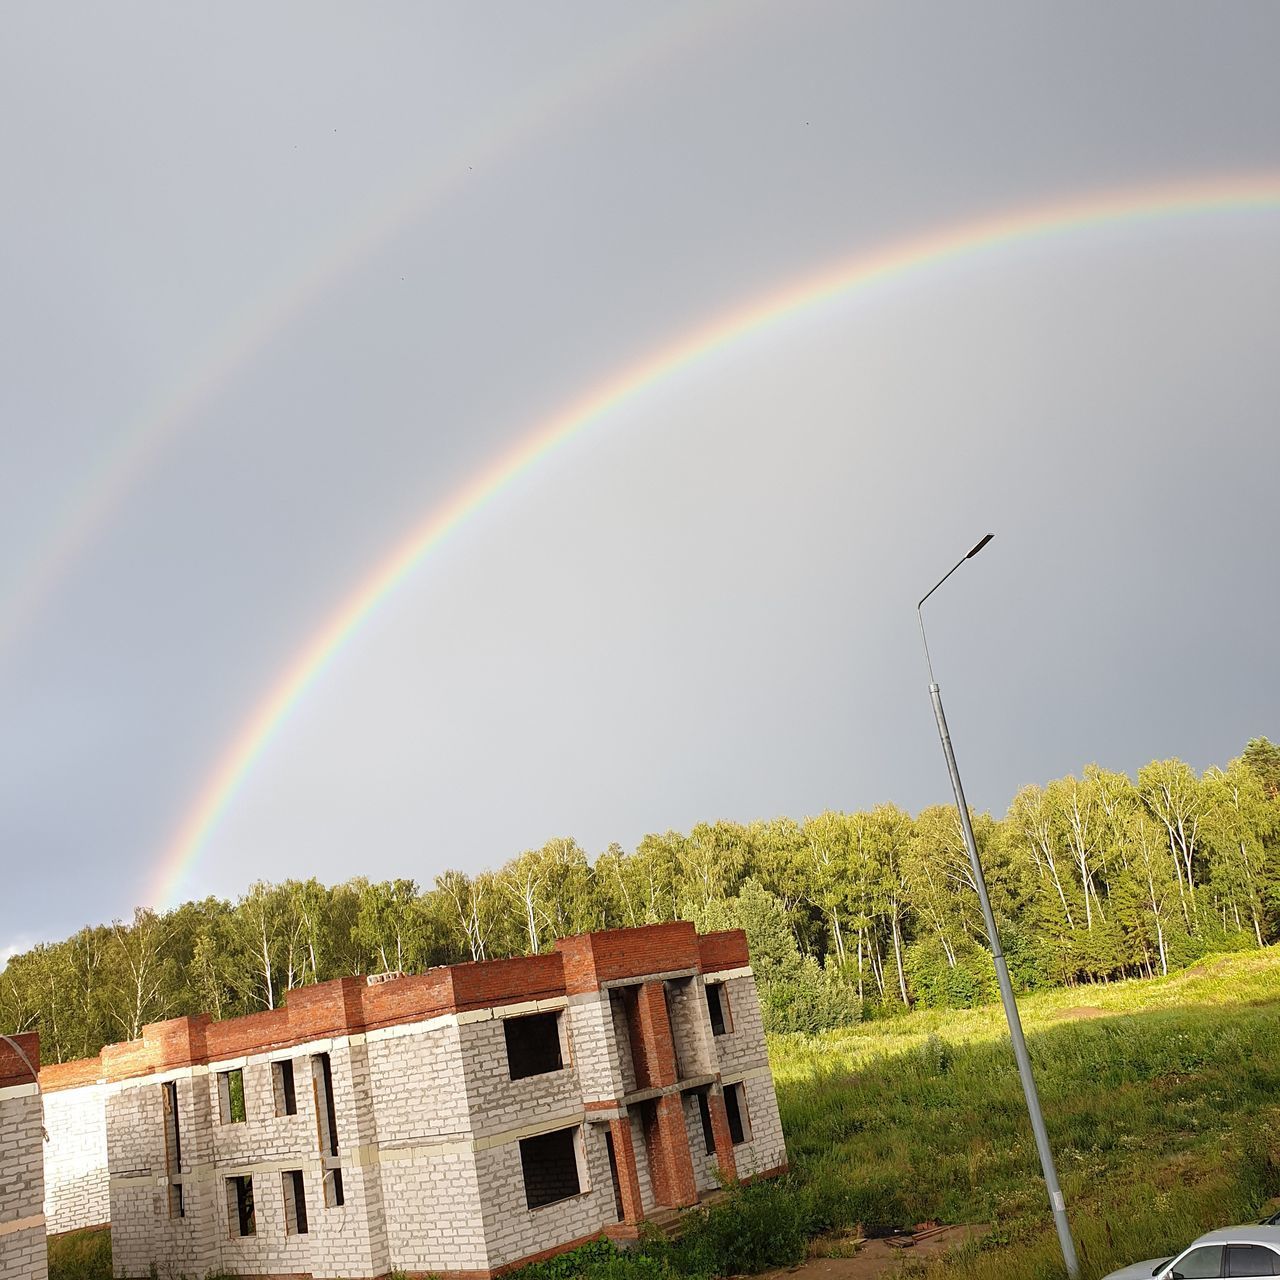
613,1173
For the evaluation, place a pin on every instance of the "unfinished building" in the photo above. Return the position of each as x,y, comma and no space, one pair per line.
22,1237
457,1123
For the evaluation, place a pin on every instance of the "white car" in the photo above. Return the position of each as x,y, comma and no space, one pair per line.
1232,1251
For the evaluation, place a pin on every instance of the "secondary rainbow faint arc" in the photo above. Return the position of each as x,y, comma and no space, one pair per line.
895,261
91,503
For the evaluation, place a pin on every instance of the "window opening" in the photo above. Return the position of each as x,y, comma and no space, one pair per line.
533,1045
718,1008
327,1128
231,1096
172,1148
735,1106
613,1173
295,1203
240,1211
283,1087
550,1166
704,1113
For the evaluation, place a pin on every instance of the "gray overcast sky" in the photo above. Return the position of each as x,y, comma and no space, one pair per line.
278,280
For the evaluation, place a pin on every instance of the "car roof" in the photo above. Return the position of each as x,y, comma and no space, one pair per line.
1248,1233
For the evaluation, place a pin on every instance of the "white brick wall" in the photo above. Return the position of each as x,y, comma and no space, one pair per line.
77,1193
766,1150
594,1045
643,1176
514,1230
22,1228
691,1027
744,1046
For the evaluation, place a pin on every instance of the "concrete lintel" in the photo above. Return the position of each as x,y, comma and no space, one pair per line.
22,1224
427,1025
669,975
517,1010
19,1090
751,1073
531,1130
327,1045
724,975
661,1091
214,1172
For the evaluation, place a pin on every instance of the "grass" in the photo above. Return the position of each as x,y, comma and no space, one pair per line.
81,1255
1163,1107
1164,1117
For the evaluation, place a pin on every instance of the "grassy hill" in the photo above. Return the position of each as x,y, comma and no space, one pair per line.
1162,1100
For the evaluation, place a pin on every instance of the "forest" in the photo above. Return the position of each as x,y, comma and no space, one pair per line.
850,915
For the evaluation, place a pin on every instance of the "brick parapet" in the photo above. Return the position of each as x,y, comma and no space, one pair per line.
592,959
347,1006
70,1075
724,950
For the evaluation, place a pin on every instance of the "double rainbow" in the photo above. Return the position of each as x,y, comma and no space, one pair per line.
893,262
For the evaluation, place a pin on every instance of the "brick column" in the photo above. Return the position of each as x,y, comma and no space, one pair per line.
624,1156
652,1047
670,1164
720,1131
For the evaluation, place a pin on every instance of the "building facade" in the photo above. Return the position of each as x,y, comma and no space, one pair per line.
22,1231
456,1123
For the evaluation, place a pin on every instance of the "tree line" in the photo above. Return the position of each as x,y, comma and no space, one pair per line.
1092,878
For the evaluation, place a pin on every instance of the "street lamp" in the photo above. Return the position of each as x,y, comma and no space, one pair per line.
1056,1201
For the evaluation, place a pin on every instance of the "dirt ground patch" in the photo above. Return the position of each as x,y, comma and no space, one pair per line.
1077,1012
877,1258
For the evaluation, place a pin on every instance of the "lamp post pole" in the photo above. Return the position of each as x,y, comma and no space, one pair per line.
1056,1202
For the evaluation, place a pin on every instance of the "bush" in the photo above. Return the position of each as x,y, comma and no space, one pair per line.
760,1226
937,984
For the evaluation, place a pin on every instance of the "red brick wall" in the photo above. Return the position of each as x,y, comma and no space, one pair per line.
624,1156
723,1138
70,1075
591,959
652,1047
727,950
667,1141
495,982
13,1071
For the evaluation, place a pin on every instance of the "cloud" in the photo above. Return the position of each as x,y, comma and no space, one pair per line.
14,947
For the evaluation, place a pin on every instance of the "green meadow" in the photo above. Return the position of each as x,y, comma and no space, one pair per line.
1162,1099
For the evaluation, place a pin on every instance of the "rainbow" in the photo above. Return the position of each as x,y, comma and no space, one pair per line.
297,287
893,262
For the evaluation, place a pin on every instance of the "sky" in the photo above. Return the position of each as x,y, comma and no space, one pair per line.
279,284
